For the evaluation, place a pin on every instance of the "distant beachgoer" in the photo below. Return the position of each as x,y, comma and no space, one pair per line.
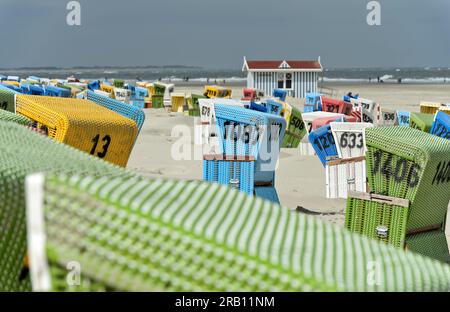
207,80
378,78
399,80
370,79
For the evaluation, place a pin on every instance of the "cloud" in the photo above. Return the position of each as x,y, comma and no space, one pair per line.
217,34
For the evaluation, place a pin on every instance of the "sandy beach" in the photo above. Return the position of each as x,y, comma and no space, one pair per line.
300,180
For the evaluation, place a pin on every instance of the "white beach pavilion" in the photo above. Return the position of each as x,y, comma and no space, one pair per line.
296,77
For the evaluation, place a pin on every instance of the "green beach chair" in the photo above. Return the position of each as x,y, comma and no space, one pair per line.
118,83
159,89
409,164
295,130
158,235
157,101
386,219
8,116
193,104
23,152
7,99
421,121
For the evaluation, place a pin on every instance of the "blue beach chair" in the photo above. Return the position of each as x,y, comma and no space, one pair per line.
441,125
403,118
274,107
313,102
249,144
121,108
323,143
258,107
94,85
57,92
280,93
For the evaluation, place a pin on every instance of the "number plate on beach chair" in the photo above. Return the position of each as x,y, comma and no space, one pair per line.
441,125
388,117
323,142
403,118
349,138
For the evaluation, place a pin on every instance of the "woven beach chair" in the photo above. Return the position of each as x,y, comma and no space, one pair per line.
406,164
336,106
323,143
313,102
274,107
421,121
193,104
32,89
441,125
249,143
24,152
19,119
209,132
135,234
295,126
82,124
118,83
322,121
138,95
403,118
280,94
178,102
123,109
56,91
159,89
429,107
7,99
385,218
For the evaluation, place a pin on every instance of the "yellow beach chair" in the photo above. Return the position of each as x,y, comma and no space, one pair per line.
82,124
429,107
109,89
178,102
217,92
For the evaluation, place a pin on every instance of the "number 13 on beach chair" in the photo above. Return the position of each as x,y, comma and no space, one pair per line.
82,124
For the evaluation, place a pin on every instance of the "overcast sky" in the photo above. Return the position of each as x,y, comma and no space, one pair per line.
217,34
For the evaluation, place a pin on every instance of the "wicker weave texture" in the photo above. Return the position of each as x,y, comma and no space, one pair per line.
83,125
